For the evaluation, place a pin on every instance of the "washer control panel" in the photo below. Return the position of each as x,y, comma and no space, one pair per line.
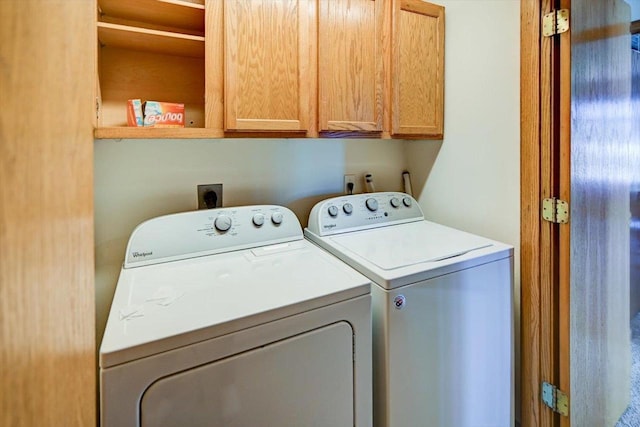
362,211
209,231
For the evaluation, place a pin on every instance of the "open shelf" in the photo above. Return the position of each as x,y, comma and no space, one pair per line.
142,39
171,13
155,133
128,74
151,50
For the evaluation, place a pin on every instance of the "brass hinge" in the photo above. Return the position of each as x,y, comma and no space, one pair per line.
556,22
555,210
555,399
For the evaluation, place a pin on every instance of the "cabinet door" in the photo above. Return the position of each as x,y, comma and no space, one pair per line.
350,65
417,78
266,65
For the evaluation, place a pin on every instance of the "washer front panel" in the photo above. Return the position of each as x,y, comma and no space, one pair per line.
444,356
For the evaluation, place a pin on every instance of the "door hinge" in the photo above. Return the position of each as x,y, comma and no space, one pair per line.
555,399
555,210
556,22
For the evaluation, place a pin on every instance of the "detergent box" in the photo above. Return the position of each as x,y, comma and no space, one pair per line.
154,114
163,114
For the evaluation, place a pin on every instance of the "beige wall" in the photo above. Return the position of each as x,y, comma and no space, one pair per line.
136,180
473,182
470,180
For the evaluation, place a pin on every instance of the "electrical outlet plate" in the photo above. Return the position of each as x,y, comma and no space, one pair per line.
349,179
206,188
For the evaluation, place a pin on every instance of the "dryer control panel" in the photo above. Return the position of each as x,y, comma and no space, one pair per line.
210,231
363,211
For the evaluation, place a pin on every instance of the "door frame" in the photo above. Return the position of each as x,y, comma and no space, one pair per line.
47,292
544,247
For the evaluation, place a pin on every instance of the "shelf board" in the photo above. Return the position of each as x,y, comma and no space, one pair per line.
134,38
172,13
155,133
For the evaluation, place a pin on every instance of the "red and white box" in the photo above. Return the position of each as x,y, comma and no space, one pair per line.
163,114
154,114
134,113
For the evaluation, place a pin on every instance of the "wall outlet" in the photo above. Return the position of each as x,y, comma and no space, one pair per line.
209,196
349,184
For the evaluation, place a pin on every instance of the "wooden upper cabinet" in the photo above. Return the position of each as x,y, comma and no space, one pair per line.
274,67
417,69
266,60
350,65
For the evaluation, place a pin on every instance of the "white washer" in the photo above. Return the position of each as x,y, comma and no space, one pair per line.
229,317
442,311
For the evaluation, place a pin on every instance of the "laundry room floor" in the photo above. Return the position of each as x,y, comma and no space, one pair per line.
631,417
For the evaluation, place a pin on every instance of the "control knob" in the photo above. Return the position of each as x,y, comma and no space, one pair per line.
395,202
258,220
333,211
372,204
348,208
276,218
407,201
222,223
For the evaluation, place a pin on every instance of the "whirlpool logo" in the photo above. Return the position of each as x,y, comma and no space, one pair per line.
141,254
329,226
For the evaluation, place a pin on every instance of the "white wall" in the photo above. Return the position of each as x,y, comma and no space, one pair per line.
471,179
136,180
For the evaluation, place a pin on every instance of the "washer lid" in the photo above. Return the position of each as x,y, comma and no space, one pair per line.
164,306
399,246
402,254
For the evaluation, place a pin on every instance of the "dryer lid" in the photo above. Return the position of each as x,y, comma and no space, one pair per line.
399,246
161,307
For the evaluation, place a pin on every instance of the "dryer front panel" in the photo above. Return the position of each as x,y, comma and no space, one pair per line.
306,380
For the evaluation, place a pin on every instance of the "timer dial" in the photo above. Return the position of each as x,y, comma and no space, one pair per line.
222,223
372,204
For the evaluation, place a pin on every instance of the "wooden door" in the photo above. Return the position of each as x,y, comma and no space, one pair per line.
575,277
597,145
47,295
267,60
350,62
417,69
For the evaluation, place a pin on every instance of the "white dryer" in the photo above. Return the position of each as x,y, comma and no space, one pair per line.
442,311
229,317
